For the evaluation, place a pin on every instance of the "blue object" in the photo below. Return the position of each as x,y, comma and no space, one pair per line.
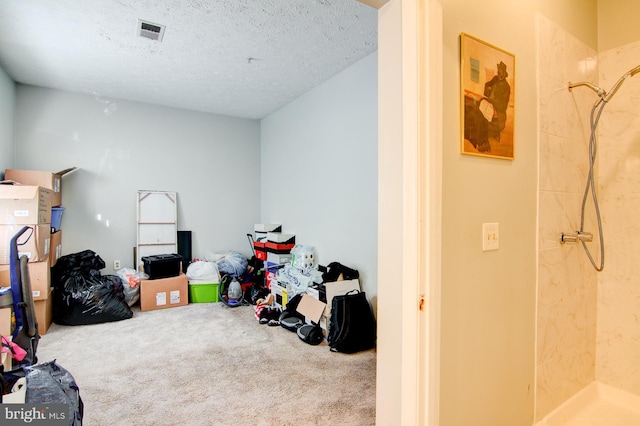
56,217
14,272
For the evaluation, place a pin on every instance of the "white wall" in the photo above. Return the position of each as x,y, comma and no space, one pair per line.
7,118
319,169
211,161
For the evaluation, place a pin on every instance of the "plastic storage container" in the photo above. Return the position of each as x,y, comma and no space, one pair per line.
162,265
203,292
56,217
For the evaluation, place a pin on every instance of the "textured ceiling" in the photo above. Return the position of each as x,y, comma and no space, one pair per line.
244,58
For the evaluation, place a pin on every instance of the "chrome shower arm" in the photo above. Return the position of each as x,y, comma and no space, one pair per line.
596,89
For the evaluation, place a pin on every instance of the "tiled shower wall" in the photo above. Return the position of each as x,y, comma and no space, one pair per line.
567,284
618,337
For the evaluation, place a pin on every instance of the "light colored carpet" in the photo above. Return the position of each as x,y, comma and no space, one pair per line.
208,364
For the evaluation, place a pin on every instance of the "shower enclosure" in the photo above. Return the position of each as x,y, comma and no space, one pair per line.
590,190
588,322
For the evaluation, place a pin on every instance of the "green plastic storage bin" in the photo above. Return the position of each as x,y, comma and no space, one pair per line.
203,292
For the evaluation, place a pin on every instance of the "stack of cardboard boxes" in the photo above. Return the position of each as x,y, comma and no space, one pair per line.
274,248
27,198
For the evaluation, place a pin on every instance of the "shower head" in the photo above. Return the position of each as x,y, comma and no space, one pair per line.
634,71
621,80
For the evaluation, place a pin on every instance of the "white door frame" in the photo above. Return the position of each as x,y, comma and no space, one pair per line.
410,181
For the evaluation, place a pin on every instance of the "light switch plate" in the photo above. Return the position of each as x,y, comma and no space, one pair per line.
490,236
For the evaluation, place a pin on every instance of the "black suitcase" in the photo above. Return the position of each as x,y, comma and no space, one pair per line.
162,265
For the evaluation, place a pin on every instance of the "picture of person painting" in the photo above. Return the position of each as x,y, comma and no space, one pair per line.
497,91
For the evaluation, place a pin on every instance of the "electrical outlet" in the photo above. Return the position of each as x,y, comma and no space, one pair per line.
490,236
116,264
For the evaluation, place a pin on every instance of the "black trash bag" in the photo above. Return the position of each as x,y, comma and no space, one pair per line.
86,260
49,383
83,295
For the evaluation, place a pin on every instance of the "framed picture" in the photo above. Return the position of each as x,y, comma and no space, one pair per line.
487,80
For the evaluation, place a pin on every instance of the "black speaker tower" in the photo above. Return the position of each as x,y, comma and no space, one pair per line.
184,249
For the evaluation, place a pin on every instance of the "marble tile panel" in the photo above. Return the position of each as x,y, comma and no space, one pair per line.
551,219
619,168
552,171
554,101
620,118
551,48
617,361
576,166
573,212
581,62
583,278
620,219
553,276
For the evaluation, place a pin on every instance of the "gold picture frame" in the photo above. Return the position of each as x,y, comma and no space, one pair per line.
487,88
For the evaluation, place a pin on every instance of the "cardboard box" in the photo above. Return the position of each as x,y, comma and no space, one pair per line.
278,258
267,227
5,321
269,278
5,330
47,180
25,205
280,294
261,254
280,238
311,308
278,248
33,243
39,275
164,293
260,231
324,320
55,248
44,313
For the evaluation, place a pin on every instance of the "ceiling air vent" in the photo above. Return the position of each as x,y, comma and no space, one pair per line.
150,30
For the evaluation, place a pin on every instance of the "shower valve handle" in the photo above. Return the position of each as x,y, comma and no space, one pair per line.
586,237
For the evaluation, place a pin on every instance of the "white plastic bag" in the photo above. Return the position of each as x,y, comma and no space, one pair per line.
131,284
203,270
229,262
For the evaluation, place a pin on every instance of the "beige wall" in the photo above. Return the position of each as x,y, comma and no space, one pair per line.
578,17
489,298
617,23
